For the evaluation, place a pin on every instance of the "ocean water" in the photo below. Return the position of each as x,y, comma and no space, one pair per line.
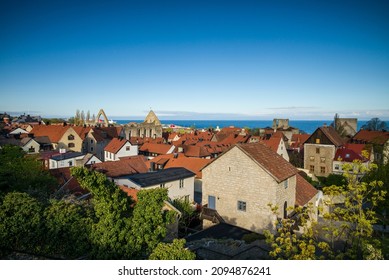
306,126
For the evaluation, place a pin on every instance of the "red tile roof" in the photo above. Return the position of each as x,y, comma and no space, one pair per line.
65,179
160,149
125,166
115,145
53,132
374,137
130,192
347,155
275,164
193,164
304,191
273,143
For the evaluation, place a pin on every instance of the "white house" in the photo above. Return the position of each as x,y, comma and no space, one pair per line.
30,145
179,181
119,147
68,159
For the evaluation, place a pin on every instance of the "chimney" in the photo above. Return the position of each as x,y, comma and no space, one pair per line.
152,166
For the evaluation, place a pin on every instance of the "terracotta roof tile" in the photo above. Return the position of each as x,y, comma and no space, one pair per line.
122,167
374,137
54,132
193,164
304,191
115,145
130,192
160,149
276,165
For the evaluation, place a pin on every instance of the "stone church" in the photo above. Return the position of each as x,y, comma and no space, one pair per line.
151,127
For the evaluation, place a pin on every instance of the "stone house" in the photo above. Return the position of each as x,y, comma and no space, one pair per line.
320,149
240,184
151,127
377,140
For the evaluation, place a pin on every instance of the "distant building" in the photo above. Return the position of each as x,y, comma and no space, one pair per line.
151,127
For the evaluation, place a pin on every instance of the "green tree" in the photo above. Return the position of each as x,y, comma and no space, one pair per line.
149,221
21,223
375,124
172,251
288,244
67,228
82,117
22,173
357,215
111,235
188,213
87,118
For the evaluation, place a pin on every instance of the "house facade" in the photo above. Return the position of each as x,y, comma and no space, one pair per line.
119,147
242,182
320,149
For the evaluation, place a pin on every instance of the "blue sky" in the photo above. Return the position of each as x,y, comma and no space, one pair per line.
196,59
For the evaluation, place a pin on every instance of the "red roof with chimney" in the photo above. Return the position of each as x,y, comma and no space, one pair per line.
53,132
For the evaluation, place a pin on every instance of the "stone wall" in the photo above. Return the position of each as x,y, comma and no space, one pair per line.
236,177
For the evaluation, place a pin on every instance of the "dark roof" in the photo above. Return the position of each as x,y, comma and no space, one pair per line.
66,156
220,231
160,177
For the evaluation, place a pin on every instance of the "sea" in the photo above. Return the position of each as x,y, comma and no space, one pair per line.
303,125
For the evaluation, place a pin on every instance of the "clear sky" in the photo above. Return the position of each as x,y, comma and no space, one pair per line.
196,59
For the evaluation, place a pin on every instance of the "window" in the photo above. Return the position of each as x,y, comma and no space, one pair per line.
317,140
162,185
336,166
31,149
186,198
242,206
181,183
322,159
91,141
312,168
286,183
312,158
317,150
128,148
91,149
285,210
92,162
70,163
322,169
71,145
229,168
71,137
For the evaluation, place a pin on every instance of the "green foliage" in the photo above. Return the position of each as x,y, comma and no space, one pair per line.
22,173
149,221
251,237
188,213
68,226
111,234
354,221
172,251
21,223
288,245
333,179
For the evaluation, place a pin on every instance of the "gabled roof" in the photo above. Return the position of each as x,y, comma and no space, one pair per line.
160,149
331,135
160,177
373,137
273,143
123,167
196,151
53,132
67,181
347,155
304,191
115,145
81,131
273,163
